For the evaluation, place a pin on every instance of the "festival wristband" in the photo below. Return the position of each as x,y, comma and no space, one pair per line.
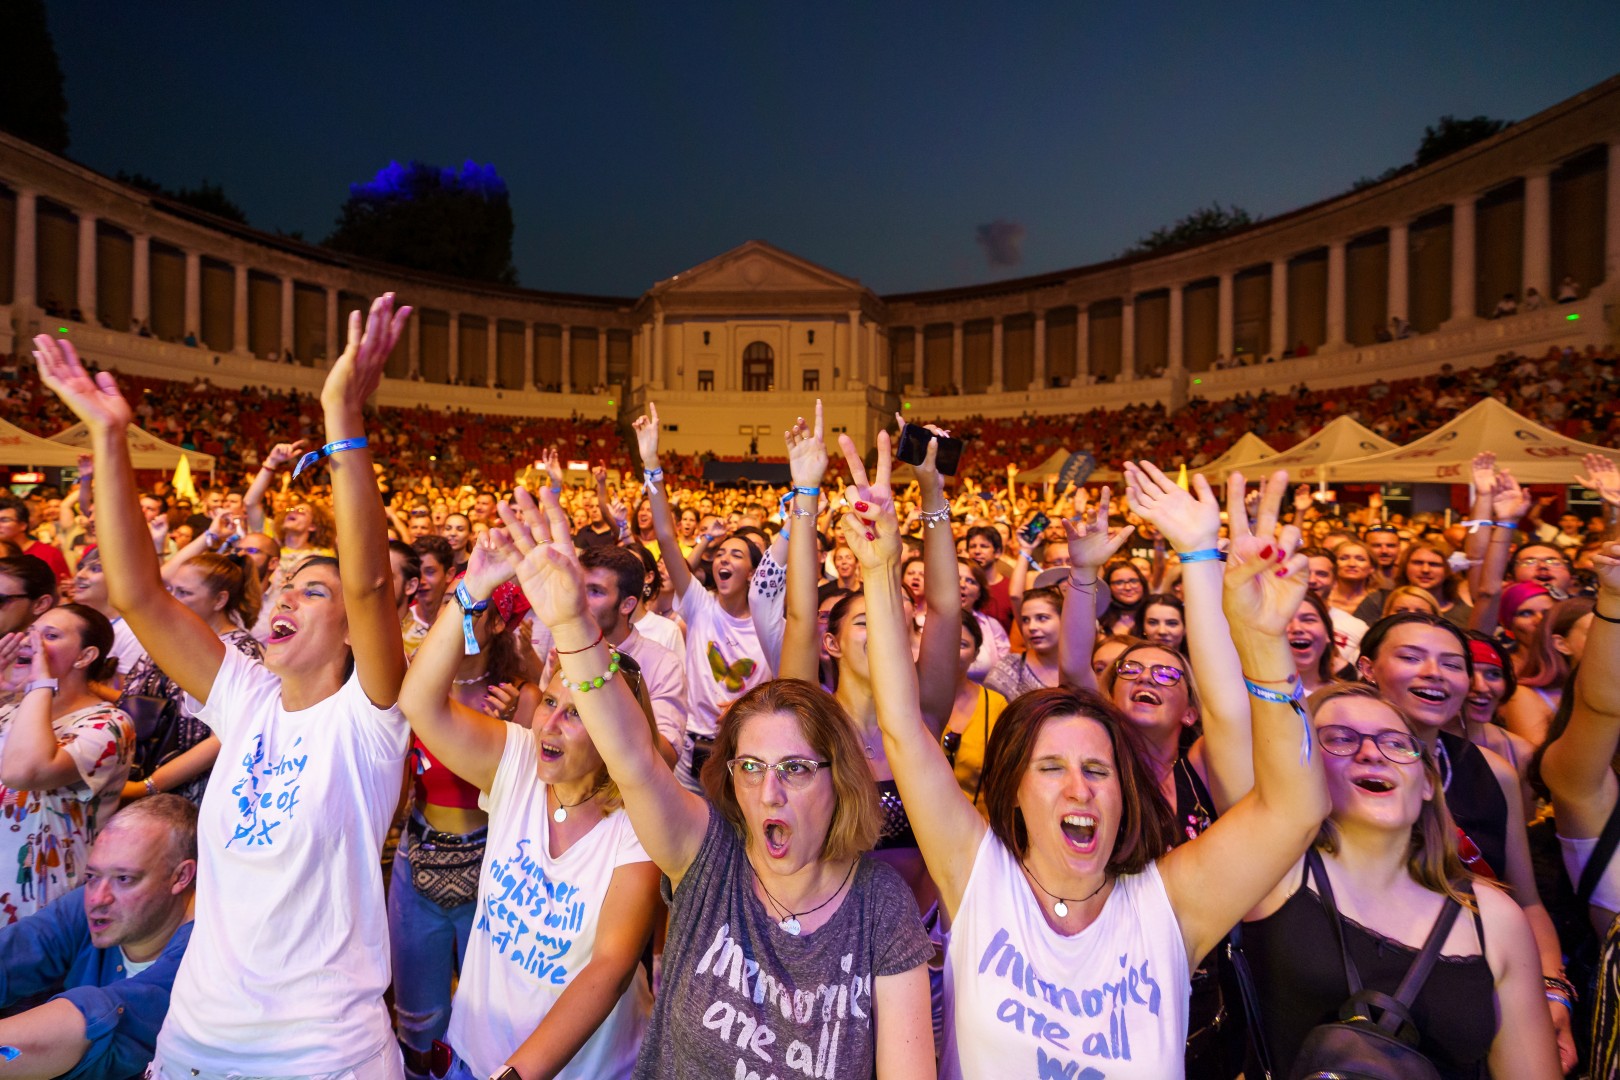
1202,555
469,608
813,492
1295,700
651,478
327,451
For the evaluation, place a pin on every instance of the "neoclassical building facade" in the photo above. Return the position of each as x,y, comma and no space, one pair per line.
735,347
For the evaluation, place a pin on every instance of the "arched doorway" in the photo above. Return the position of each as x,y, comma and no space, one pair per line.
759,367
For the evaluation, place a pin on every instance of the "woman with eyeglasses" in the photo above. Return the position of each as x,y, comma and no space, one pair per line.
1075,925
566,899
1128,596
788,949
289,957
1387,855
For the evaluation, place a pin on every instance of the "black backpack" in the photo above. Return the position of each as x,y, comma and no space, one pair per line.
1374,1037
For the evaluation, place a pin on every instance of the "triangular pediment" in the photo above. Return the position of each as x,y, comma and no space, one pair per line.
755,267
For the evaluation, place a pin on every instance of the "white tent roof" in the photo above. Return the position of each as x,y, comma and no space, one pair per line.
1343,439
1534,454
18,447
1249,448
146,451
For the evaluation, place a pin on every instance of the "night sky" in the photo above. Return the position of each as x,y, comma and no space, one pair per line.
883,140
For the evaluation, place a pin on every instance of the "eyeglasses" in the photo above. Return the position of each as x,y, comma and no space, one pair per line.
10,520
794,772
249,551
6,598
1163,674
1398,746
1534,562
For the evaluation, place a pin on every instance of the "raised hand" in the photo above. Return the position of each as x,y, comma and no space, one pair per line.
872,531
1509,501
357,372
1266,538
97,401
536,546
646,428
807,452
1190,520
553,467
281,453
500,701
1091,543
487,566
1483,471
1302,498
1606,563
1265,579
1602,477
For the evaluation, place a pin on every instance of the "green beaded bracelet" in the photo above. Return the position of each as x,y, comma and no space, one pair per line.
585,686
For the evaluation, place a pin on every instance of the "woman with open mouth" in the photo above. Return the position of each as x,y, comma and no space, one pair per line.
1310,641
1075,925
559,992
1424,666
290,958
785,944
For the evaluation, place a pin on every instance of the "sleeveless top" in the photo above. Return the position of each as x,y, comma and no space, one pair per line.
895,831
1022,999
1475,798
1300,983
1195,807
436,784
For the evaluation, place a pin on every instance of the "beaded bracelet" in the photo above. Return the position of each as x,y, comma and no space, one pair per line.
1295,700
469,608
328,450
936,517
1202,555
585,686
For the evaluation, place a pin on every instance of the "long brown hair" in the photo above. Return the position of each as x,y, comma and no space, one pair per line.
830,732
243,593
1544,665
1147,823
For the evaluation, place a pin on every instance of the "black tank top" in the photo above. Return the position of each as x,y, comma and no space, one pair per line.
1475,799
1300,982
1195,807
895,831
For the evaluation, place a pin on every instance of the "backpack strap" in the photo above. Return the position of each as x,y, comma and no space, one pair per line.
1324,891
1598,861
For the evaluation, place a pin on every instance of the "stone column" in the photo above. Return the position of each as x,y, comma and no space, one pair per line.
1176,363
528,355
492,348
1224,317
853,372
602,341
1400,291
455,347
1538,232
1082,345
1611,239
1463,261
239,312
1127,340
1280,345
1335,296
289,320
140,300
193,320
25,268
872,360
414,346
334,332
1038,382
998,357
567,361
957,378
87,267
657,380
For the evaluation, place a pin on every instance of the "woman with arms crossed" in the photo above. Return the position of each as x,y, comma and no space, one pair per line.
290,956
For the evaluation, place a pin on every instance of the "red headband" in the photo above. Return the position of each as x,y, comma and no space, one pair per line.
1484,653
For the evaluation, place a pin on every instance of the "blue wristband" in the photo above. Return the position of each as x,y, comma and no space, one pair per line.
327,451
1294,700
1202,555
811,491
469,608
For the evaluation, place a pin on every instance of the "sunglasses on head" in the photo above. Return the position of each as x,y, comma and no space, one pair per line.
1163,674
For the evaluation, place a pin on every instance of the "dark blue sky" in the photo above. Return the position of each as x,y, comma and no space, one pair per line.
874,138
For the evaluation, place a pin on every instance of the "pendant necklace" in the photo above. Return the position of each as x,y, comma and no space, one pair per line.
1444,760
560,814
790,923
471,681
1061,908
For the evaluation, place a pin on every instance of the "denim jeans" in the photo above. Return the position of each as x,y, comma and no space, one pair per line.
426,945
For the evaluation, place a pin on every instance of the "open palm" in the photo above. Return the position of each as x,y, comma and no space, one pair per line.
97,401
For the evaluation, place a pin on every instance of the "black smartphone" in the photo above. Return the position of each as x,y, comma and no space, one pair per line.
1036,526
914,447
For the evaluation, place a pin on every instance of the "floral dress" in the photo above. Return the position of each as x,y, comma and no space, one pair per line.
46,835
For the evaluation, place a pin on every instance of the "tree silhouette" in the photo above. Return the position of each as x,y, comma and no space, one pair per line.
1205,223
430,218
33,105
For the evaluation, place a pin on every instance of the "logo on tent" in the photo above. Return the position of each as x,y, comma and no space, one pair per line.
1527,436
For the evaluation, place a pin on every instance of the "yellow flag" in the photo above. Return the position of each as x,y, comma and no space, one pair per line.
183,487
1181,478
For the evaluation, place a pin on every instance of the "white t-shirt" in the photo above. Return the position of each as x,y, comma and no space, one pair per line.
665,677
535,927
289,955
724,659
665,631
128,650
1022,999
1347,634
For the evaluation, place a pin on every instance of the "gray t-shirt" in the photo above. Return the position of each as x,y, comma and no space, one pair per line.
742,997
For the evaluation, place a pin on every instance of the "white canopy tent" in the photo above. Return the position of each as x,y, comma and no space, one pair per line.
146,451
1343,439
1249,448
1534,454
18,447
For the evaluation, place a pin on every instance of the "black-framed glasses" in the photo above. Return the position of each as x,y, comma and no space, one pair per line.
794,772
1401,747
6,598
1163,674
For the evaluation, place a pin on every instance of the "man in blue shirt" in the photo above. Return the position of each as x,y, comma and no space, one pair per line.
108,950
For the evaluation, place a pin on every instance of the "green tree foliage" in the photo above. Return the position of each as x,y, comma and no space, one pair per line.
1204,224
33,105
207,197
432,218
1452,135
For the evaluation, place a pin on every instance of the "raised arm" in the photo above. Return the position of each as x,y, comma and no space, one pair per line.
669,820
1576,764
1091,545
680,577
276,460
362,532
936,654
34,759
807,462
178,642
1508,504
1603,477
949,833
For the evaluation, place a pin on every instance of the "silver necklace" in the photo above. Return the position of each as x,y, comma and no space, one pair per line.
560,814
471,681
790,923
1061,908
1444,759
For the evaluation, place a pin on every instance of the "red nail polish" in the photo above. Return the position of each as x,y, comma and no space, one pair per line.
1282,571
1265,552
871,536
861,507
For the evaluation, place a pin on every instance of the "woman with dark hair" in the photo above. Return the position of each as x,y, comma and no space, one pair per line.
974,713
1164,622
64,753
1128,591
1040,618
983,545
289,962
973,590
1310,640
1423,665
1069,884
27,590
785,942
1547,658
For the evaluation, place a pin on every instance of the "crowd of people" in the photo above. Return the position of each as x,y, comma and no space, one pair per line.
847,777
